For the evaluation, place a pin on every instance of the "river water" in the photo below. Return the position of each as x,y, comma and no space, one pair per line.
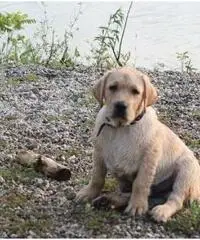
156,31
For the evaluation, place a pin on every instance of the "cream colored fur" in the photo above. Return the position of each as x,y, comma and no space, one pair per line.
148,148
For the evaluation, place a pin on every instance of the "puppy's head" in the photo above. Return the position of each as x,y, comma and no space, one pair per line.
126,93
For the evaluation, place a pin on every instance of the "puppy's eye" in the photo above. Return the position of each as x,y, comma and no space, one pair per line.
135,91
113,88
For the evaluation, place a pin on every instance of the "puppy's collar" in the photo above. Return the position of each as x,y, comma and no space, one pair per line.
138,118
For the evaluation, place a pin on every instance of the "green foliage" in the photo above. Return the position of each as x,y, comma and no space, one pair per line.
159,66
186,62
50,50
10,22
14,47
18,174
108,52
96,220
46,49
53,51
108,38
17,80
21,224
190,141
187,221
68,58
110,184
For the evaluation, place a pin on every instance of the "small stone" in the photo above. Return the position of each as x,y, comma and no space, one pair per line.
150,235
13,235
72,158
4,235
138,228
39,181
31,144
31,234
2,180
70,194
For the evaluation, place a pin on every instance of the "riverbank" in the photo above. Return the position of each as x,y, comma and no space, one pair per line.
52,112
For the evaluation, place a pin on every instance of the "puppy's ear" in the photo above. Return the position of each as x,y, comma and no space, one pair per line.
150,92
99,88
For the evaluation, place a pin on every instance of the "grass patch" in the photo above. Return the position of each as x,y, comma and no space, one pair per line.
52,118
196,114
89,99
3,144
57,118
22,228
97,219
190,141
20,225
110,184
195,143
31,77
72,152
10,118
14,81
83,181
187,221
165,118
18,174
14,199
88,124
14,218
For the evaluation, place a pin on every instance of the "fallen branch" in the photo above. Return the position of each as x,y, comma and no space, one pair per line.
44,164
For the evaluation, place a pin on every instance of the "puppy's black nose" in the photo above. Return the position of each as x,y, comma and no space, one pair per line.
120,109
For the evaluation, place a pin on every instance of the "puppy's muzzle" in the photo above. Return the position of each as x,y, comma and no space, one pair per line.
120,109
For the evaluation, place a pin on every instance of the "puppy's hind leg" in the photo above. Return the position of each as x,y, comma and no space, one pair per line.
186,187
115,200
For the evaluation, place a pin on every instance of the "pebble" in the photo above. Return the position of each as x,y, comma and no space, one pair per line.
2,180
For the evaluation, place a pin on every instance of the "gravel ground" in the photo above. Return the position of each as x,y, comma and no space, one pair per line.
52,112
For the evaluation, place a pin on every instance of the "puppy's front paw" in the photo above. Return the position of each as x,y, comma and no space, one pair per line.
161,213
137,206
87,193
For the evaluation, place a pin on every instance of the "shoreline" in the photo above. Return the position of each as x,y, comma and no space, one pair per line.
52,112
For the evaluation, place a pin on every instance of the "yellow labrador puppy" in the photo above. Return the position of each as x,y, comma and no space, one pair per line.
137,148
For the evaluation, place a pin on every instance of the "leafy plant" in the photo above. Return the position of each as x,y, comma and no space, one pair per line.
10,22
47,42
159,66
54,51
11,41
186,62
110,39
47,47
68,35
